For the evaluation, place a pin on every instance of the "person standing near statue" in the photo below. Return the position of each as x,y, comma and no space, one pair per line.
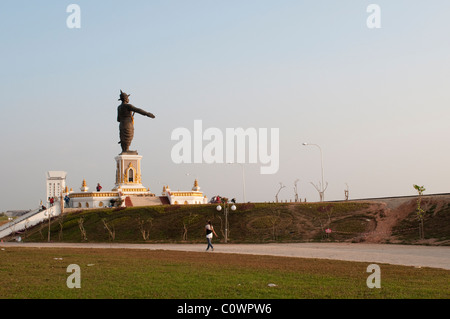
125,116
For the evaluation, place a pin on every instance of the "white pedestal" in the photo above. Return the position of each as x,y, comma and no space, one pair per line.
128,175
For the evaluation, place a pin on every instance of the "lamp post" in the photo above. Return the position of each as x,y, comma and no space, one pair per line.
226,206
322,190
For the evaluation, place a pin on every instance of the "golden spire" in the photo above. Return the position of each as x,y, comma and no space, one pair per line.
84,187
196,188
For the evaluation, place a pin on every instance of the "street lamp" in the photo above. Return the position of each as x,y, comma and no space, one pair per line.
322,190
226,206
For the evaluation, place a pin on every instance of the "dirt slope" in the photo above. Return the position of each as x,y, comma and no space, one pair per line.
399,224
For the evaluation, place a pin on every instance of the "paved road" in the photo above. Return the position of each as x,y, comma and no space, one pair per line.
417,256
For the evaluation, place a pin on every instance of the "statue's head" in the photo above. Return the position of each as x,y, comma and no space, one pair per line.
124,97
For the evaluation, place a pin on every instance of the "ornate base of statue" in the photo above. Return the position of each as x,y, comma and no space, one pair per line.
128,174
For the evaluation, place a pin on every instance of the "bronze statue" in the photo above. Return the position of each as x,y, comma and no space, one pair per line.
125,115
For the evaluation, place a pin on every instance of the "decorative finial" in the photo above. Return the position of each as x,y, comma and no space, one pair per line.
84,187
196,188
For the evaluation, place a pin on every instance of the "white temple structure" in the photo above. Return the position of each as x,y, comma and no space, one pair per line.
195,196
129,190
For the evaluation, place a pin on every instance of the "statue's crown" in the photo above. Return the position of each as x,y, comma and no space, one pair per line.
123,95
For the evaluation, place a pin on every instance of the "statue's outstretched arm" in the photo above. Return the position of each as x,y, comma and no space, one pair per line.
140,111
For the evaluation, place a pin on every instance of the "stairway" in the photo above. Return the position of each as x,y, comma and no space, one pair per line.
142,200
29,220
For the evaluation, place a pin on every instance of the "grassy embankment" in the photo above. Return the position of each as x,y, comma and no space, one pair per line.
250,223
255,223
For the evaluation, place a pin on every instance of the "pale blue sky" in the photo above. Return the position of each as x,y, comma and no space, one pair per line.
376,101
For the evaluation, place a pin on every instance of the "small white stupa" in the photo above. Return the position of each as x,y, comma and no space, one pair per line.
195,196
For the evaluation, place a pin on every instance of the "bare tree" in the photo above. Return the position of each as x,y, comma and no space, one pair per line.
346,192
110,229
320,189
82,230
296,190
61,223
145,232
188,221
41,227
274,219
328,211
281,187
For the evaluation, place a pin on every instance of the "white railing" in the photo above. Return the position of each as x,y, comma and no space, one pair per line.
29,220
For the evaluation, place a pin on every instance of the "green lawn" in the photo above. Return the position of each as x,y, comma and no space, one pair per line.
114,273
